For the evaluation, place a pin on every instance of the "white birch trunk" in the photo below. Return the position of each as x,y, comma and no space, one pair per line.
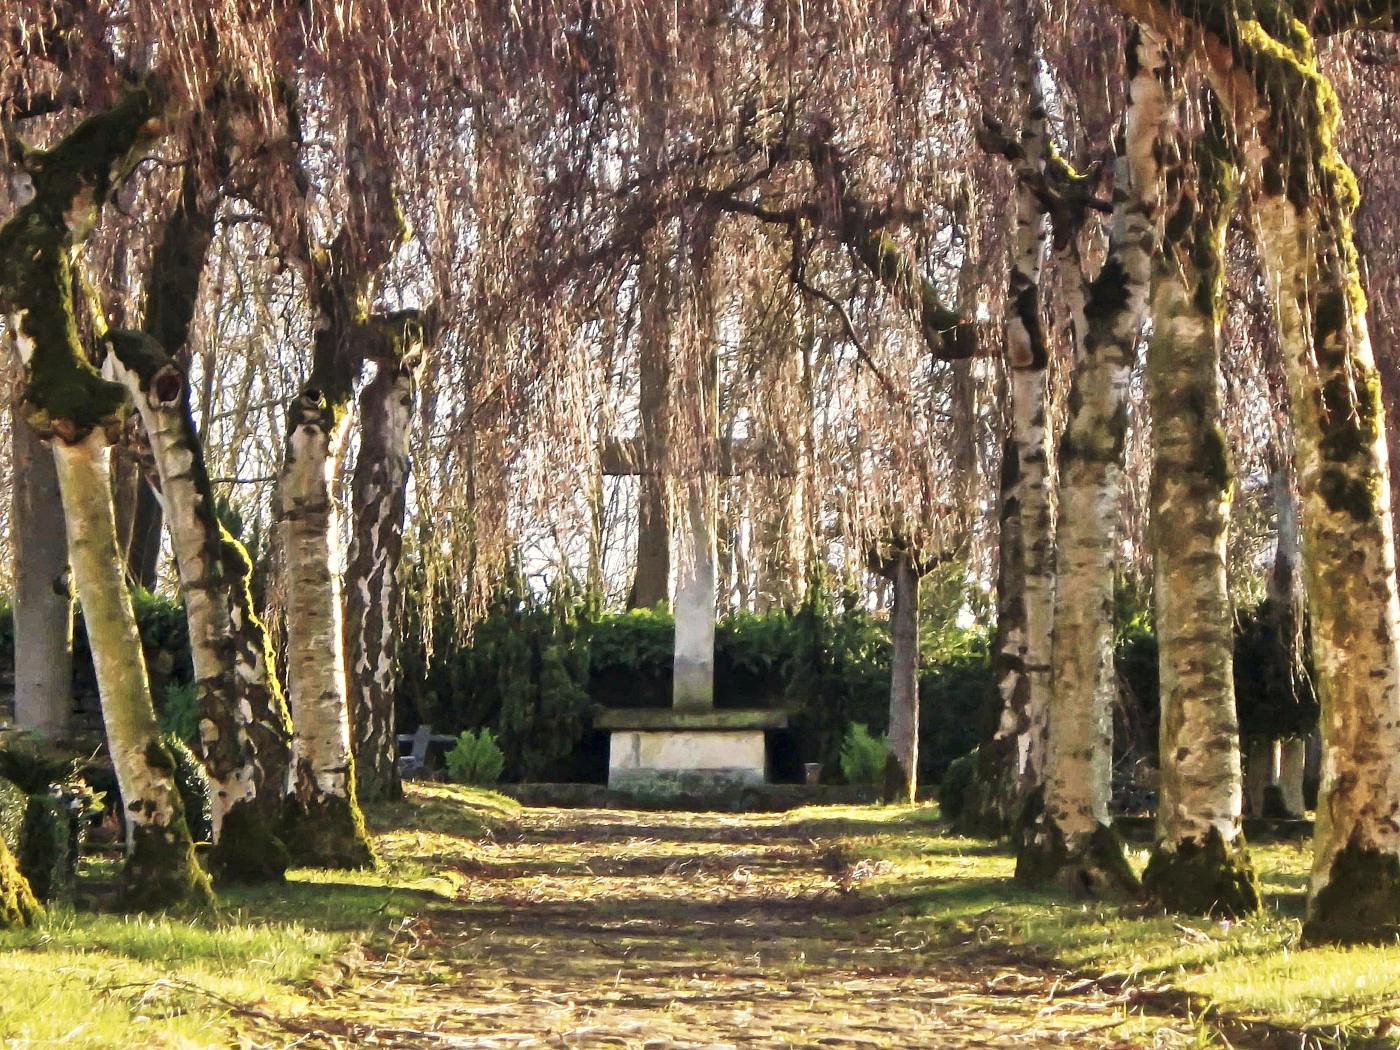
379,492
244,732
325,828
70,403
1304,195
1011,764
161,868
1071,840
1200,864
43,610
1349,561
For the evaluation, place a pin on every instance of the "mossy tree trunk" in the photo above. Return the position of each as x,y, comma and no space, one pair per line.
161,868
43,609
1264,69
244,729
1011,763
1068,838
323,825
1199,863
244,734
378,498
67,401
1349,554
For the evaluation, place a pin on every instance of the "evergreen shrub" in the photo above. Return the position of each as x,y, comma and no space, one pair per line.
475,759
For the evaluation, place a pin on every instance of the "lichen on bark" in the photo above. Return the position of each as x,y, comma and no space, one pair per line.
67,400
243,728
1069,836
1011,763
1200,862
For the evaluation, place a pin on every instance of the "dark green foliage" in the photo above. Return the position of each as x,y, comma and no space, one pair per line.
193,786
44,814
1204,878
863,756
523,671
475,759
165,642
1275,690
534,665
1135,661
957,781
49,840
179,712
837,673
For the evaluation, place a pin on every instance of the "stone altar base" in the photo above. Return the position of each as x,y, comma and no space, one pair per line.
665,751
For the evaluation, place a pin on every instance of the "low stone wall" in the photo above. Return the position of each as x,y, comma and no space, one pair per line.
734,798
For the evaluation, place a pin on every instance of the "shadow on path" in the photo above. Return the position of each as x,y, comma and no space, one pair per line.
597,928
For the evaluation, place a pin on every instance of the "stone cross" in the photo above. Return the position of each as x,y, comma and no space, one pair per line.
693,677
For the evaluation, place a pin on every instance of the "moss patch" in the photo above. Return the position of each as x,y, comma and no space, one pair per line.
1098,868
1360,903
326,831
1210,877
247,852
18,906
162,870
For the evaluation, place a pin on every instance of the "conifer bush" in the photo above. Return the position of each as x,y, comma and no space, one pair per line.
863,756
475,759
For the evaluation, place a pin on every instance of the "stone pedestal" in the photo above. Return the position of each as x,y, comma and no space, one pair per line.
687,751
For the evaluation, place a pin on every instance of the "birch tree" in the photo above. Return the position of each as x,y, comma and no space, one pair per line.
1010,764
1263,66
68,402
244,733
1200,863
1068,837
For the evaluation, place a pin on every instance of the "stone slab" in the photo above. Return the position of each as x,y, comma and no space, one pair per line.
661,719
702,755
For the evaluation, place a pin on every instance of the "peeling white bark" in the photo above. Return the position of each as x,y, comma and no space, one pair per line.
314,561
43,612
236,711
148,792
378,500
1200,782
1349,548
1078,757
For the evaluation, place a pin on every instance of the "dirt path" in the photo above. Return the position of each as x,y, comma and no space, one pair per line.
599,928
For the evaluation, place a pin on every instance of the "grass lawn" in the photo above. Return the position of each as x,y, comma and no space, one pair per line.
951,889
79,979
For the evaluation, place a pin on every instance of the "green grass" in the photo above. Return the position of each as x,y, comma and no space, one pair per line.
955,890
79,979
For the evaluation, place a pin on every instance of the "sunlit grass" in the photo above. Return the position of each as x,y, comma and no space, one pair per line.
959,889
78,979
